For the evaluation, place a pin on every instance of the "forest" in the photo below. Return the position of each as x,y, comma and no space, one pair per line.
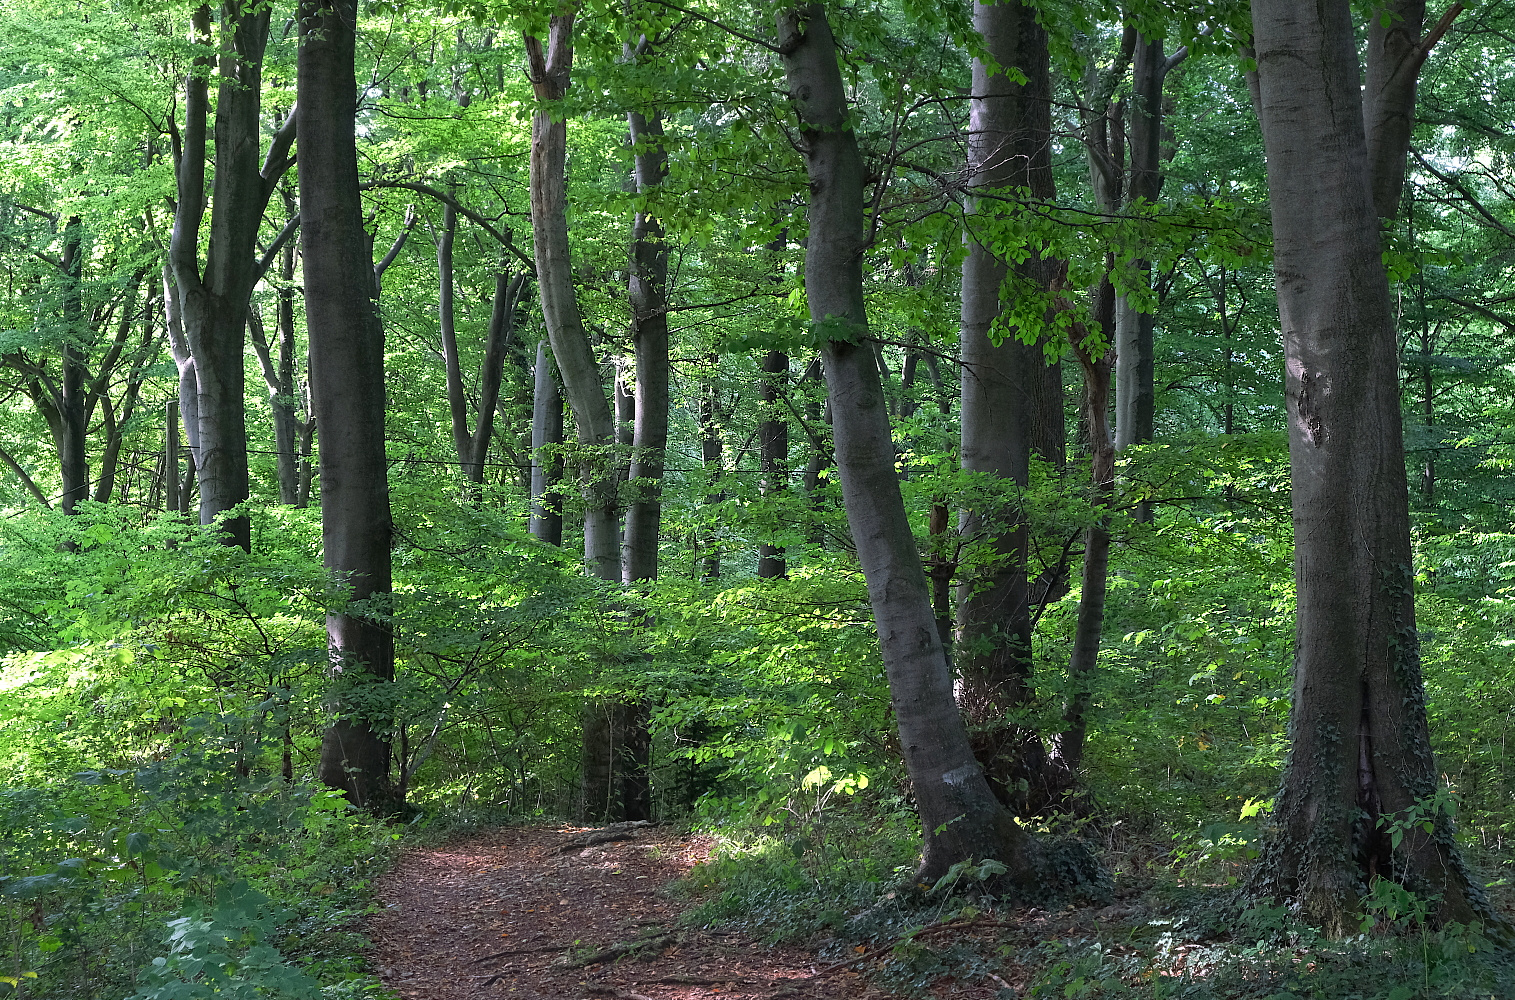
984,500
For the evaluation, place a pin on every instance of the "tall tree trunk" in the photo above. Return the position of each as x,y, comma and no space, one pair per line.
1360,756
73,422
1009,147
594,422
347,390
647,289
1134,392
960,816
1094,418
546,466
213,302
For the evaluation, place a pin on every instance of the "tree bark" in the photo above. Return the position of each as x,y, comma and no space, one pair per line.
279,376
647,290
595,425
773,452
960,815
213,303
712,447
1135,395
1094,416
546,466
1009,148
1360,755
73,420
347,390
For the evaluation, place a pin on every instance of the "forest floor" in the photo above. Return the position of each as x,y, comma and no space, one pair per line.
543,912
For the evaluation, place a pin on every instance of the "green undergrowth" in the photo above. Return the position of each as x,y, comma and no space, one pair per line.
840,882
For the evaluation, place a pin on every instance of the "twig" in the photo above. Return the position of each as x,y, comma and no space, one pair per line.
520,951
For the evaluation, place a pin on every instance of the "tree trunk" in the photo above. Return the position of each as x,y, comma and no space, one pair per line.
960,815
712,447
1360,757
1009,147
279,376
171,456
1135,395
1094,416
347,390
546,466
73,420
647,289
213,303
773,453
560,308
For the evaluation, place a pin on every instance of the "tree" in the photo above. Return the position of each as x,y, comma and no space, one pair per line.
213,302
960,816
347,389
1360,764
1009,152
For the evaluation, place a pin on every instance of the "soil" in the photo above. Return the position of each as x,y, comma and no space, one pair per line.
529,913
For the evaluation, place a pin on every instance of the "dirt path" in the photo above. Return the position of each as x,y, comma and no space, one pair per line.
496,916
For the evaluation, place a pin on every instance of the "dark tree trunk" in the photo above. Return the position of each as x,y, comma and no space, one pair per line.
773,452
1009,147
960,816
560,308
712,447
1360,756
546,466
73,419
1094,418
347,390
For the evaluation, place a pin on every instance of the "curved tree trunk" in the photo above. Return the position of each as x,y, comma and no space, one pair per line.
560,308
1360,755
347,390
960,816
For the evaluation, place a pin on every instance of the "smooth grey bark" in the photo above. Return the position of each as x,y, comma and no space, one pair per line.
213,301
1009,149
960,816
1135,394
1396,52
178,345
1360,754
595,425
347,390
546,465
647,291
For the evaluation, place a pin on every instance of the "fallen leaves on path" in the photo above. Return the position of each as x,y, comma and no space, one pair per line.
507,914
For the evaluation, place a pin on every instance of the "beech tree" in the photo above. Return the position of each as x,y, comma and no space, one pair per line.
960,816
213,301
347,389
1360,764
